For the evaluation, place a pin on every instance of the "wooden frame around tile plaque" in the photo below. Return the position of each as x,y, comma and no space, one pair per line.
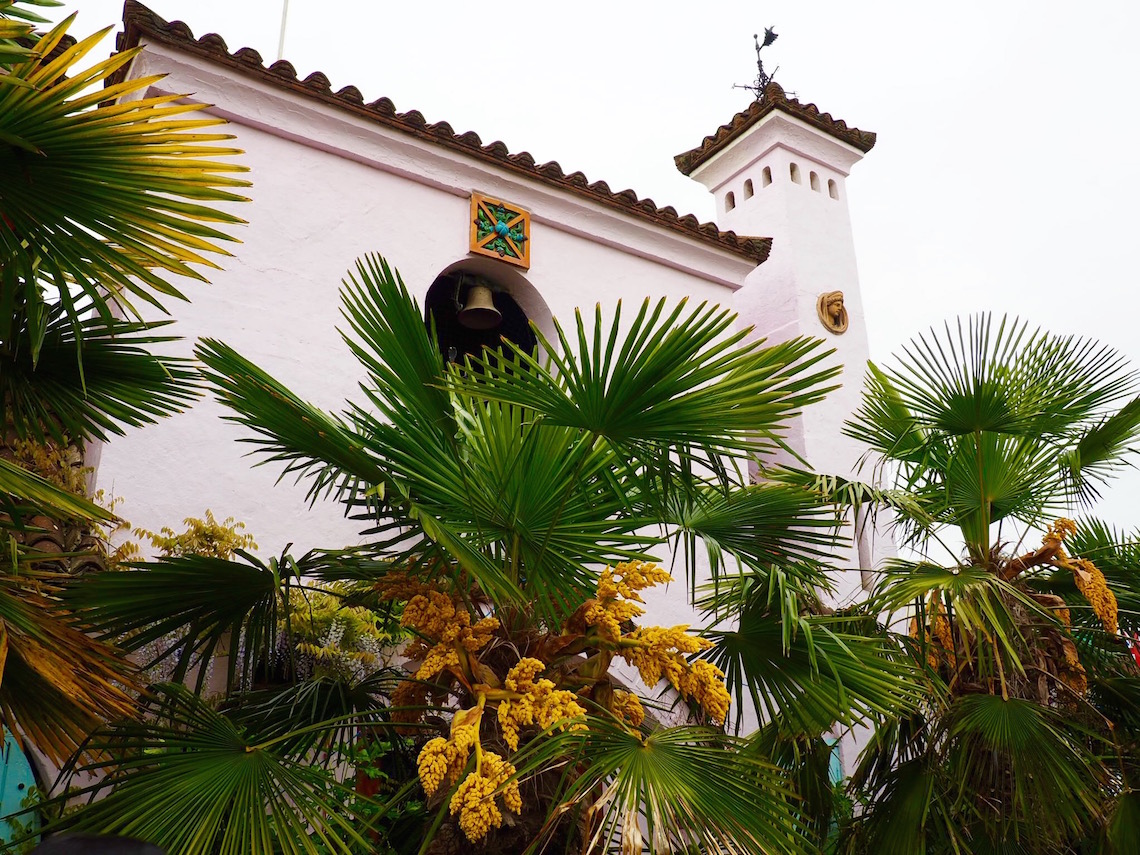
500,230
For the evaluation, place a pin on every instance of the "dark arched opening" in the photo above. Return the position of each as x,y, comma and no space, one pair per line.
458,337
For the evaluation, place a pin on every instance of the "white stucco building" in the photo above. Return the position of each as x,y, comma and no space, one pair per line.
335,177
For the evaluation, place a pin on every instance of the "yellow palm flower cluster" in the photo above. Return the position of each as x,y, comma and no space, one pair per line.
627,706
474,801
1094,588
1060,529
400,586
540,703
618,595
437,616
658,652
444,759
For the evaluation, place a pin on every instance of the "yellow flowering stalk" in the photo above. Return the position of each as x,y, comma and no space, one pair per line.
627,706
538,703
1060,529
1094,588
437,616
406,696
474,801
618,596
657,652
1070,671
445,759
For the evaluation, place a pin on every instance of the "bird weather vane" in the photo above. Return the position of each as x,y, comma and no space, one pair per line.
763,78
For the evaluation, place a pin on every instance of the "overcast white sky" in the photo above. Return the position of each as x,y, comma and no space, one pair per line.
1004,178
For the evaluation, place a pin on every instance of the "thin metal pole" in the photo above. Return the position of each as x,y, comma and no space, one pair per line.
281,40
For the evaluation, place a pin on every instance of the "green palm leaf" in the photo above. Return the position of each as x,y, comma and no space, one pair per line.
980,601
115,382
830,671
190,780
102,200
684,379
175,601
756,527
689,785
1100,452
23,492
1028,759
308,441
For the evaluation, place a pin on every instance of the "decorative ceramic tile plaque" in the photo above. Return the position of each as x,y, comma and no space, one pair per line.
500,230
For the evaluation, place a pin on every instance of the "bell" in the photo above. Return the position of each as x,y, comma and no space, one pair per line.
480,312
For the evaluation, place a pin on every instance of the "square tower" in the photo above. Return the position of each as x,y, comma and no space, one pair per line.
779,169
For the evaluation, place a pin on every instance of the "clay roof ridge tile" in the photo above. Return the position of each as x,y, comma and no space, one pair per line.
248,56
283,68
317,80
214,42
775,99
384,106
497,149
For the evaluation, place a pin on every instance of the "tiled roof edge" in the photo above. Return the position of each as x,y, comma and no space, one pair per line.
139,21
774,99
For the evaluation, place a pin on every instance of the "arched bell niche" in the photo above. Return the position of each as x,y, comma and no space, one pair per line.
460,302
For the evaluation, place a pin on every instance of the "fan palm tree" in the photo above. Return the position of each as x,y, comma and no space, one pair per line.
99,203
515,505
1022,619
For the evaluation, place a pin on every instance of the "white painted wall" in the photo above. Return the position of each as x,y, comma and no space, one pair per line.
328,187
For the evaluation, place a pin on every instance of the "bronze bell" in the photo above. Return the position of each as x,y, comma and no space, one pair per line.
480,313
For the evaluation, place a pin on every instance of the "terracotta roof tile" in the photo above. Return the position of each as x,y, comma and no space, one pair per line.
139,22
774,99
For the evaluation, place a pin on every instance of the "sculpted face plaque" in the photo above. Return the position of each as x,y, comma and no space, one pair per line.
500,230
832,313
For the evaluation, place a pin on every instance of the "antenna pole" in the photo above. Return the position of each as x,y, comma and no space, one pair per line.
281,40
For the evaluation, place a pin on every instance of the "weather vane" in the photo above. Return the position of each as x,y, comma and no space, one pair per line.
763,78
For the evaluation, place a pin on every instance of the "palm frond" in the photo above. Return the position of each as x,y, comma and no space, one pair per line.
689,785
1026,760
684,379
830,672
754,527
103,201
176,602
1123,829
190,780
1100,452
58,683
23,492
308,441
979,600
321,714
91,379
391,340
